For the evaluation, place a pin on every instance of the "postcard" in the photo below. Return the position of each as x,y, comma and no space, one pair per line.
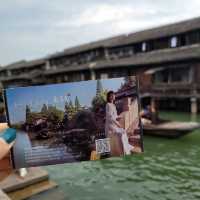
72,122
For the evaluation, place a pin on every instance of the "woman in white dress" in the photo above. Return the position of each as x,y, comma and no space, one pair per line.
112,125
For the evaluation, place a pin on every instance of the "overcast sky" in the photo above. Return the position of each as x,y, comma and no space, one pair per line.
32,29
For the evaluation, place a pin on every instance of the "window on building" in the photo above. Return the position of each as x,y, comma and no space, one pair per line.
96,53
89,57
113,53
82,76
66,62
47,66
120,52
138,48
103,76
161,76
9,73
144,46
118,73
182,40
174,75
161,43
126,51
193,37
3,73
174,42
59,79
14,72
180,74
130,52
65,78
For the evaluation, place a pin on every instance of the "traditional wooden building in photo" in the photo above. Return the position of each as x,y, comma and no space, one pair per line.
166,58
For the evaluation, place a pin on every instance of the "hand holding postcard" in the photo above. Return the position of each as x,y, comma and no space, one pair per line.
71,122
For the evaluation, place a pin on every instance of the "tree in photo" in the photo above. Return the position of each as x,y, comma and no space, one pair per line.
28,111
99,100
55,114
77,104
44,109
70,109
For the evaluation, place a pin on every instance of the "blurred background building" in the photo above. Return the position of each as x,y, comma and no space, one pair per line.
166,60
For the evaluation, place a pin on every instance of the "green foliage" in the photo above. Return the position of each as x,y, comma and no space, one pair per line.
99,100
17,126
44,109
55,114
28,111
50,112
70,109
77,104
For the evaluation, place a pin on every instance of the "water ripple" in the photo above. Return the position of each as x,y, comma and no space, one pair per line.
168,170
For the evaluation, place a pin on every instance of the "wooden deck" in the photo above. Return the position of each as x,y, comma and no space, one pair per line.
14,181
18,188
32,190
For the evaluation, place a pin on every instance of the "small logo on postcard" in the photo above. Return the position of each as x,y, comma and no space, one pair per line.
103,145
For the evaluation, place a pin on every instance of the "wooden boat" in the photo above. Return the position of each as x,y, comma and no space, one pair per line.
170,129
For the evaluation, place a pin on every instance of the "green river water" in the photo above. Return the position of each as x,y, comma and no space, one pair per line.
168,169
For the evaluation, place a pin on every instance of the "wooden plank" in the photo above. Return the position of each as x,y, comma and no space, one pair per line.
32,190
3,196
14,181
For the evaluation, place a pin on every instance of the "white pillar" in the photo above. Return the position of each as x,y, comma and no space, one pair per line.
47,66
92,71
106,54
194,105
93,75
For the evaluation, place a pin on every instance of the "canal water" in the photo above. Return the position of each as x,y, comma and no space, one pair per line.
168,169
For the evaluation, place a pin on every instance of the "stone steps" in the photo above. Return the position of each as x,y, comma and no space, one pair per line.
18,188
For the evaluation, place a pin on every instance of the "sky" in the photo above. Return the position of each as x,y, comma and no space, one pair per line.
55,94
32,29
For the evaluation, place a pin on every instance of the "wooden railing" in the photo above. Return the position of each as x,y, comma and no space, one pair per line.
173,90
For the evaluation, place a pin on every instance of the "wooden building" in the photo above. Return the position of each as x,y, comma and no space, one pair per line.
166,58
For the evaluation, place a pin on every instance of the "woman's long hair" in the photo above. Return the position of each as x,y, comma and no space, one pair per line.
109,95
